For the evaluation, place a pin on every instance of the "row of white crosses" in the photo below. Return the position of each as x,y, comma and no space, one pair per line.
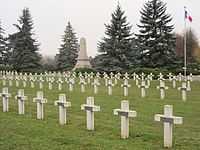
124,112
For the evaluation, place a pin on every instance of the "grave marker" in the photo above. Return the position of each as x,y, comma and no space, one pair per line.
91,108
125,113
21,100
184,90
125,86
62,104
40,104
143,88
168,120
162,89
5,95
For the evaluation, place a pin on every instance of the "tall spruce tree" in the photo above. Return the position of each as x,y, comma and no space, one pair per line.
68,51
116,47
25,55
157,42
4,48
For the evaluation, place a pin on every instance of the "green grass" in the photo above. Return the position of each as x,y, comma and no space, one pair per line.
27,133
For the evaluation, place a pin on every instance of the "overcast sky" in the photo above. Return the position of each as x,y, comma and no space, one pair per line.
87,18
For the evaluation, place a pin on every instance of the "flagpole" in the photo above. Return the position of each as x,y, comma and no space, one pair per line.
185,57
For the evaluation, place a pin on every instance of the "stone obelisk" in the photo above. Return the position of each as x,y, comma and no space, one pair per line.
83,60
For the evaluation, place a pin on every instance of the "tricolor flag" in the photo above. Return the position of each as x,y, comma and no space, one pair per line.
187,16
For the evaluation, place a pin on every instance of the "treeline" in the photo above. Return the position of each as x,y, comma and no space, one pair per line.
154,46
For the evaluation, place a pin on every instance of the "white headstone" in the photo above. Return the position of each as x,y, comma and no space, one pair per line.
143,88
125,86
21,100
168,120
184,90
162,89
5,95
125,113
40,104
91,108
62,104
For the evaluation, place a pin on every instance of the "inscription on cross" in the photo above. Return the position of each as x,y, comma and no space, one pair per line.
21,100
40,104
184,90
168,120
91,108
125,113
5,95
62,104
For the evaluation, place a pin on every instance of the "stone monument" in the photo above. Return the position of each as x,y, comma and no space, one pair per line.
83,60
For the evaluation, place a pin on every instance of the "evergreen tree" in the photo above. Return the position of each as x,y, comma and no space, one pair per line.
68,51
25,55
116,47
157,42
4,48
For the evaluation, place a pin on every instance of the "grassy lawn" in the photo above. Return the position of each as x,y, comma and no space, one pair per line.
27,133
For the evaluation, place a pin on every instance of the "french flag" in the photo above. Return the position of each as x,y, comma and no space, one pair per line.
187,16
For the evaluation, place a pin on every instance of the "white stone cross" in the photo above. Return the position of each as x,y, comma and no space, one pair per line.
111,75
126,76
162,89
143,88
125,113
180,77
4,80
17,79
137,80
151,76
110,85
106,77
148,78
70,82
116,79
32,80
62,104
96,84
40,104
41,81
125,86
24,79
21,100
134,76
191,76
60,82
184,89
168,120
5,95
10,79
142,76
160,76
82,83
50,81
189,80
170,76
91,108
174,81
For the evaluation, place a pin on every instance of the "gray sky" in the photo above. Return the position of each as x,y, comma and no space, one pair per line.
87,18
